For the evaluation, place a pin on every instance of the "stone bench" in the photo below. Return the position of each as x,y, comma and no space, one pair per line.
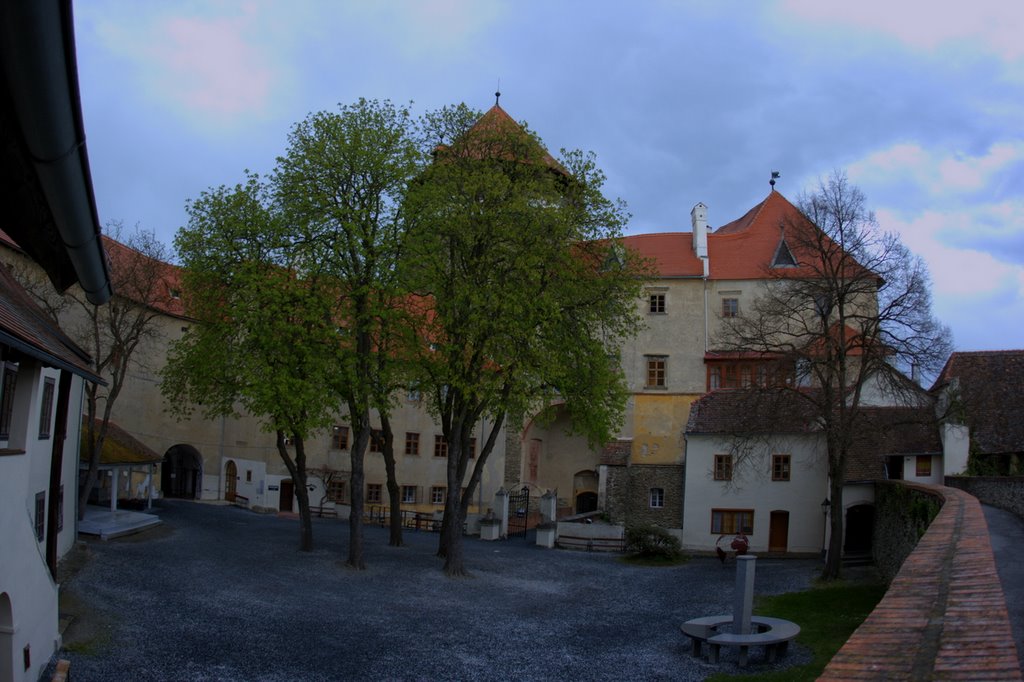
774,634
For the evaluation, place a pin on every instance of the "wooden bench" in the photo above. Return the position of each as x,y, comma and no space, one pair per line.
591,544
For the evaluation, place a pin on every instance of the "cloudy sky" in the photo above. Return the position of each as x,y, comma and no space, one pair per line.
921,102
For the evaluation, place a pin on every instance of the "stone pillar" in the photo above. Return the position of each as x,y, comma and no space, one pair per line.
743,598
501,509
548,506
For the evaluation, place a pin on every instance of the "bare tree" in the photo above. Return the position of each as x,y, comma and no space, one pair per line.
846,308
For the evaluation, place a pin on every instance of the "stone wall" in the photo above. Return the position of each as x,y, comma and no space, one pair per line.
1004,492
902,515
629,488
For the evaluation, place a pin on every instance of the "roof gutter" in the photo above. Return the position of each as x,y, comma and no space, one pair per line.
38,51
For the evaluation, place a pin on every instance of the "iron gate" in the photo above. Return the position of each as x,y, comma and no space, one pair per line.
518,512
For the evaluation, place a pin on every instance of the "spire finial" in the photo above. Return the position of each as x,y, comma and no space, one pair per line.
775,176
497,93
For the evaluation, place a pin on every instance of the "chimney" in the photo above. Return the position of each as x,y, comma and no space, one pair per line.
699,220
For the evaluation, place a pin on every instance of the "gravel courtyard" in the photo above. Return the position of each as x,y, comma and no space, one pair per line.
220,593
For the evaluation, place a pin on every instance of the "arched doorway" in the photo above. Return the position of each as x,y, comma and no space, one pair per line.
181,475
6,638
860,528
230,480
584,487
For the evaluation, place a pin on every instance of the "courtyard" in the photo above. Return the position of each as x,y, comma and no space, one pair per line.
221,593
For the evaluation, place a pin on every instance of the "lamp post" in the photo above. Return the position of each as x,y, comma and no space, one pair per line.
825,506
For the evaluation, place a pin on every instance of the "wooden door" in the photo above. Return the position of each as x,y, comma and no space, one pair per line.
287,491
778,532
230,480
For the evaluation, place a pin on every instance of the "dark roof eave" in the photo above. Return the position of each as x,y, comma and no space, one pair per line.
48,358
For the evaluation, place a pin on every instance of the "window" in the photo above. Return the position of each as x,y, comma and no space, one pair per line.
472,448
337,491
10,379
412,443
248,475
376,440
745,374
656,304
714,378
437,493
657,497
730,307
924,465
723,467
656,371
408,494
339,438
414,395
780,467
730,521
46,409
60,509
40,519
373,493
440,446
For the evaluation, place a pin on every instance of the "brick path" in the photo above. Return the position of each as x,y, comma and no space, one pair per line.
944,616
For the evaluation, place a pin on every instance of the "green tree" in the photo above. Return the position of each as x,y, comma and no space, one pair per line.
849,308
265,340
342,181
524,290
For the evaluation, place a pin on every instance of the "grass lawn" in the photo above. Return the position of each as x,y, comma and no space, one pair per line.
827,615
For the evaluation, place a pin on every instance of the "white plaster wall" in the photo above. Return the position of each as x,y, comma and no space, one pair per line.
956,444
910,470
753,488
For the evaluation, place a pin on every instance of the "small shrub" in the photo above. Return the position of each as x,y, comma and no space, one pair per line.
653,542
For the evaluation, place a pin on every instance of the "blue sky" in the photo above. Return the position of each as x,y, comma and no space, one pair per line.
921,102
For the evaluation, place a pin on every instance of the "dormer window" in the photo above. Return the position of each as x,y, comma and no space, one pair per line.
783,256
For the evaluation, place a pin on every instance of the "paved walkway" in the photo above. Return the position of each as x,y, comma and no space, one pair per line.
1006,533
220,593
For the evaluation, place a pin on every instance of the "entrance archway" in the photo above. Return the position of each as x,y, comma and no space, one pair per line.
584,487
860,528
586,502
182,472
230,480
6,638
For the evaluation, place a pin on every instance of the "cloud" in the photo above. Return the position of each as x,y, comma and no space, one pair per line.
993,25
208,69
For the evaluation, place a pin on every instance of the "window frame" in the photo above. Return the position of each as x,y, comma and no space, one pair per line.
918,468
374,493
723,467
406,497
736,518
782,467
657,370
438,494
39,521
656,303
440,446
730,307
376,444
337,491
412,443
8,389
339,437
46,408
656,498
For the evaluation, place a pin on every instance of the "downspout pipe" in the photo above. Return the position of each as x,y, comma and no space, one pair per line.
38,48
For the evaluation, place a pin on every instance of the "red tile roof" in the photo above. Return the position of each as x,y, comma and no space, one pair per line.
498,128
742,249
990,393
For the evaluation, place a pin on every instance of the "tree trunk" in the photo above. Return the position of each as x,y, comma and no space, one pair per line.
297,471
394,491
834,556
361,436
450,545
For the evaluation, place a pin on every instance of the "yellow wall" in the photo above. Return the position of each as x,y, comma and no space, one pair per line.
658,424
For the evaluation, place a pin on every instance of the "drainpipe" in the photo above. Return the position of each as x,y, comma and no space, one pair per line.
38,50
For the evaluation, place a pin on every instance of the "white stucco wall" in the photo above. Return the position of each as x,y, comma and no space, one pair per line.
752,488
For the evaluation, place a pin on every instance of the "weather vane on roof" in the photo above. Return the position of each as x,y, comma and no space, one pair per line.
775,176
497,93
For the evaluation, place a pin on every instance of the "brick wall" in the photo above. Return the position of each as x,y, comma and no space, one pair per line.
1004,492
944,615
